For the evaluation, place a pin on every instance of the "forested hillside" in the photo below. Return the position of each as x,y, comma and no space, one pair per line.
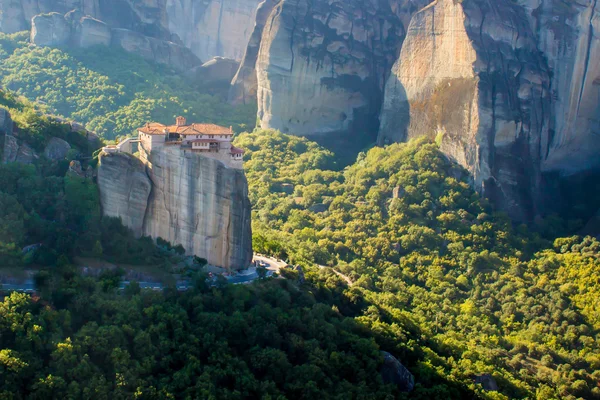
111,91
437,275
44,204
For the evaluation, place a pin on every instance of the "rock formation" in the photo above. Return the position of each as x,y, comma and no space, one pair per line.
322,65
185,199
510,88
6,122
50,30
392,371
213,27
56,149
217,72
14,151
124,189
244,85
470,73
209,27
73,29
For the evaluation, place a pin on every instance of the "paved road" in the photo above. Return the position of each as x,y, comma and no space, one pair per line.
273,264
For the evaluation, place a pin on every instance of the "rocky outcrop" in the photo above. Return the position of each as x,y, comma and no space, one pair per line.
217,72
487,382
160,51
92,32
470,73
56,149
567,33
17,152
50,30
82,31
190,200
322,65
209,28
213,27
124,189
244,85
6,122
393,372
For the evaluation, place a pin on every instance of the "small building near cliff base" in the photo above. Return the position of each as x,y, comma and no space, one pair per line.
186,185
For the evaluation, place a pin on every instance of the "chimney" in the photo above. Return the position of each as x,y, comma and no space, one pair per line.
180,121
230,129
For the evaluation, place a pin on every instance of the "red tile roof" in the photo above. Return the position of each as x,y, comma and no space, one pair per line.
155,128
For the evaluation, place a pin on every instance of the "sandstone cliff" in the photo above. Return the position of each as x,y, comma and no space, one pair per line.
124,189
207,27
74,29
509,87
183,198
213,27
470,73
322,65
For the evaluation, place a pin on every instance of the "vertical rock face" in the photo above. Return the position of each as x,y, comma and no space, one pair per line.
470,73
322,65
213,27
245,84
77,30
568,36
124,189
50,30
207,27
183,198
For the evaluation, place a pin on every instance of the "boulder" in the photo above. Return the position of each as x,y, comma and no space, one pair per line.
301,277
75,169
11,149
50,30
167,53
26,155
56,149
398,192
6,122
92,32
487,382
319,208
393,372
216,72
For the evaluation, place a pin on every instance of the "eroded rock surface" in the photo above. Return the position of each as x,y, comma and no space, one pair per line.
56,149
124,189
77,30
50,30
207,27
183,198
470,74
322,65
213,27
392,371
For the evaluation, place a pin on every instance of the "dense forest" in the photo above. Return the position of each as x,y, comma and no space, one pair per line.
436,274
396,253
111,91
